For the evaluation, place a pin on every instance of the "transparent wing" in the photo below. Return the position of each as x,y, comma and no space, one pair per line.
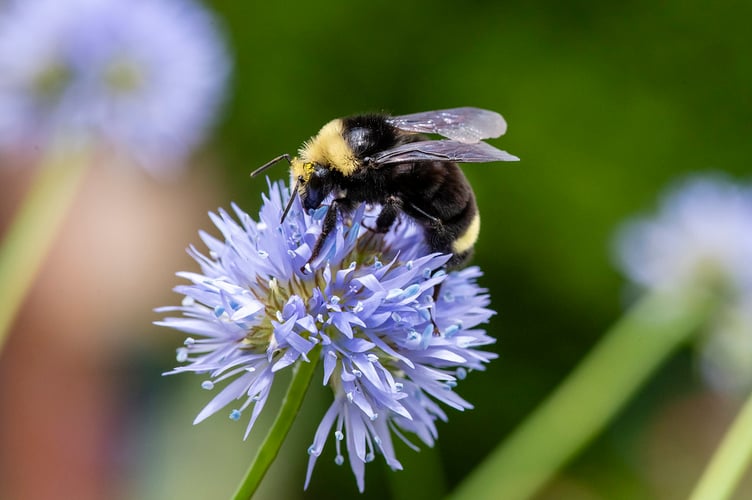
468,125
443,150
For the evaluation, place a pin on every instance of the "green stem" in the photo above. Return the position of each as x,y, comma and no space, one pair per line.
266,454
592,394
730,460
33,230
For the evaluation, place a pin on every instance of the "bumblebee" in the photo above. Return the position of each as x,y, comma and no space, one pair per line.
387,160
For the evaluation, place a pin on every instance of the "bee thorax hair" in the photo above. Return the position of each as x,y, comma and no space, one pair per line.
329,148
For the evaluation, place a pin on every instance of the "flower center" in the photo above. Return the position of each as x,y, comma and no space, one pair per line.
123,76
277,295
274,295
52,80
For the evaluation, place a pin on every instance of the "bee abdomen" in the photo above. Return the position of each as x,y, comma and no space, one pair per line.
466,240
456,236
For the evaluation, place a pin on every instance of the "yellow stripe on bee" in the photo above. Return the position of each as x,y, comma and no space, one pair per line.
329,148
467,239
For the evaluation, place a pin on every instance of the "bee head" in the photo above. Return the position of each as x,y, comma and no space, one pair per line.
312,181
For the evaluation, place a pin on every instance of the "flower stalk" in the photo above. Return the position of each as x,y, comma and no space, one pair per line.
301,379
590,397
730,460
31,233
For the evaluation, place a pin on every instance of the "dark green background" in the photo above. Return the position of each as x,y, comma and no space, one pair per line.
607,104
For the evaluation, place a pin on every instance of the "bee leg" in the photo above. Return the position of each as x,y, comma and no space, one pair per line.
330,221
436,292
387,216
437,231
434,220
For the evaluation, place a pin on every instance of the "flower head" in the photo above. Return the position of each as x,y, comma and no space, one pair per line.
372,302
702,237
143,76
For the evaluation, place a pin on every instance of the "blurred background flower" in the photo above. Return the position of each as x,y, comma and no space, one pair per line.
701,237
119,84
143,77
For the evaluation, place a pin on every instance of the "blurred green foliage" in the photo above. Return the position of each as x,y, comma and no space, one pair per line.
606,104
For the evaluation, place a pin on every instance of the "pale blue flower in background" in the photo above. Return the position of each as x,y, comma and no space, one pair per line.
145,77
367,300
702,237
702,234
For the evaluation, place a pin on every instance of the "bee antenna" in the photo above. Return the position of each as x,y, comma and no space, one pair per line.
270,163
290,201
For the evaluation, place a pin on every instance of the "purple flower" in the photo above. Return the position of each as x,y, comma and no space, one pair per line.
701,238
367,300
142,76
702,235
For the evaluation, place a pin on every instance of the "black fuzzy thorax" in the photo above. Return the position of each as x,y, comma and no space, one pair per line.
369,134
435,194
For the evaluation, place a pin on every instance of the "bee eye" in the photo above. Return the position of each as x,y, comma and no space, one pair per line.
301,179
320,170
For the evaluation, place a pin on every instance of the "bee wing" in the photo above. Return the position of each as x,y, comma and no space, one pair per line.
468,125
443,150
